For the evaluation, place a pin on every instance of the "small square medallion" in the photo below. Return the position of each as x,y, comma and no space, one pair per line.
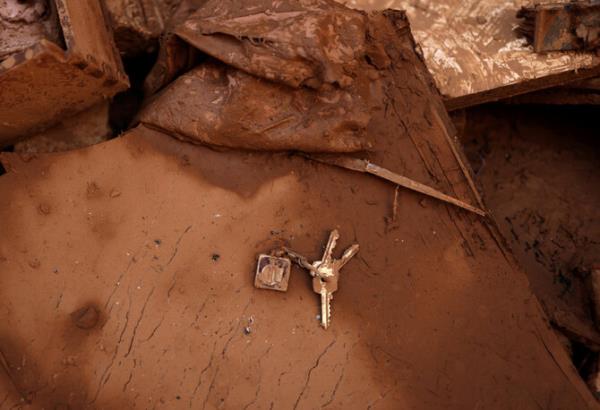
272,273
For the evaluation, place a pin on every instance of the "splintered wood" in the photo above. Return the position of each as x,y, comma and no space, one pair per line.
561,26
45,83
471,49
360,165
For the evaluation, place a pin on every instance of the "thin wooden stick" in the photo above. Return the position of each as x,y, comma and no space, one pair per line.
417,186
362,165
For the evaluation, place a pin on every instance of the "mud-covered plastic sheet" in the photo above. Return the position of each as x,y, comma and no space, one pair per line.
276,76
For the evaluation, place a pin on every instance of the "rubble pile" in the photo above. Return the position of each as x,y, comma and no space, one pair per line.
266,204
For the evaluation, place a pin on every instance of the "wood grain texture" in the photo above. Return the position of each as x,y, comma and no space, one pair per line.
43,84
47,86
474,55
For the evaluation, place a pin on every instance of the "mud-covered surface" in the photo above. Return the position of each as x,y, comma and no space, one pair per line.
538,169
471,49
296,43
113,296
126,277
84,129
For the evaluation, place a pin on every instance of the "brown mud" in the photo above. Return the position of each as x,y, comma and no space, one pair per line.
538,169
428,315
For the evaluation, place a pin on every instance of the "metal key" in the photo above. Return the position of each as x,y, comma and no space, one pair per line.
326,274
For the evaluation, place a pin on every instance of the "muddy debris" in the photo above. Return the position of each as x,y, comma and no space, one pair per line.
137,24
473,62
45,81
266,44
25,23
561,26
166,163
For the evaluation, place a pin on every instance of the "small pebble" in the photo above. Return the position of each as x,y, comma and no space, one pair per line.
85,318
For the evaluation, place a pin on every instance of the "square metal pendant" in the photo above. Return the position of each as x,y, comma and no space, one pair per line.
272,273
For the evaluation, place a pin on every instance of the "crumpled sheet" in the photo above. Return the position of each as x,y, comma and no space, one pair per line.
218,105
282,76
309,42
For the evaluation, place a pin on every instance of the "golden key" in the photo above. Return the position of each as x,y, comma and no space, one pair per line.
326,273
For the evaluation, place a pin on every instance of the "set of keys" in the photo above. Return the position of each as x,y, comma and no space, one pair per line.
272,272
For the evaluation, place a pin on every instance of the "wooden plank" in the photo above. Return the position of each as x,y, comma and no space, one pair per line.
44,83
474,55
558,96
561,26
589,84
88,34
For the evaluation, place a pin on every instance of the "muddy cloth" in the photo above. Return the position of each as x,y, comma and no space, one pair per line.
288,78
268,40
127,271
222,106
309,42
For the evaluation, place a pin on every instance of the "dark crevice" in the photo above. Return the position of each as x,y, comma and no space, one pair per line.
8,148
125,105
584,360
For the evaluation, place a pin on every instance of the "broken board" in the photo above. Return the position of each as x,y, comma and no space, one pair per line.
558,96
474,55
43,84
